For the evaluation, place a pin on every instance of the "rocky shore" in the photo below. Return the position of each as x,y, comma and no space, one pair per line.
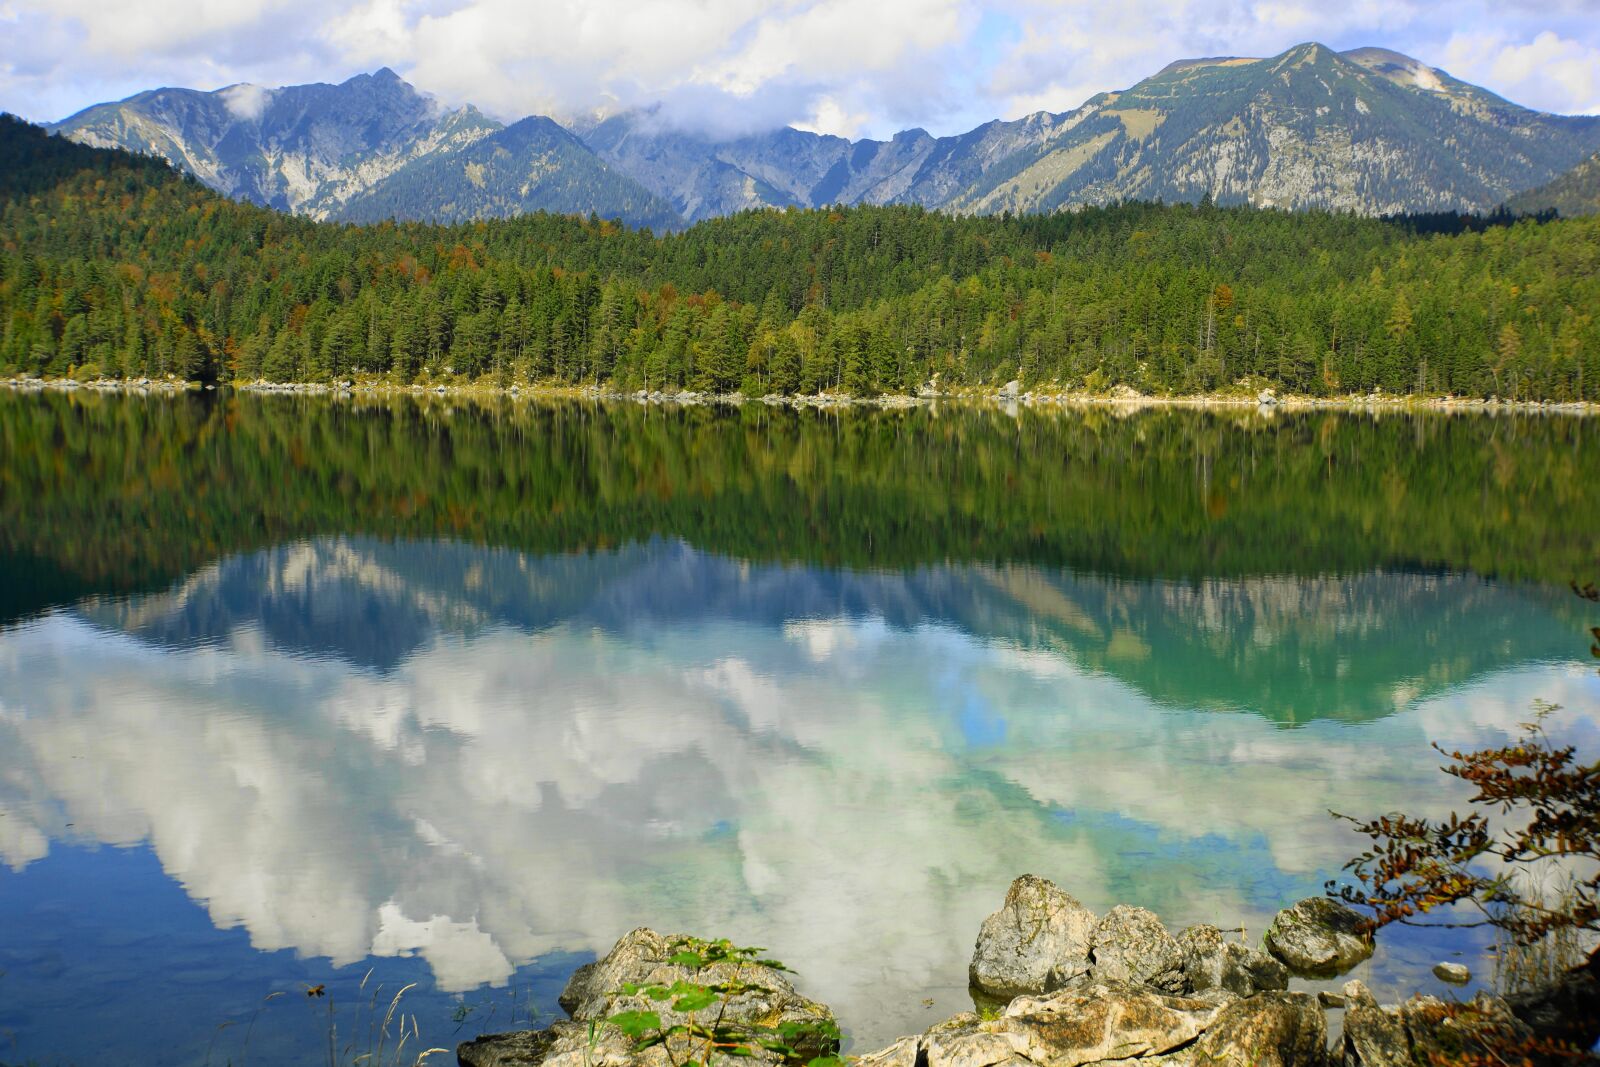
1055,985
1009,397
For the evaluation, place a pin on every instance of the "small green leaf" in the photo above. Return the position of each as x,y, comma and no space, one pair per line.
687,959
636,1023
694,1000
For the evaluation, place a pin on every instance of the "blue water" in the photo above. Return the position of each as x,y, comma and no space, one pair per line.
345,761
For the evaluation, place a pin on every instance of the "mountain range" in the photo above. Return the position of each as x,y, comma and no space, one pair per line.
1368,130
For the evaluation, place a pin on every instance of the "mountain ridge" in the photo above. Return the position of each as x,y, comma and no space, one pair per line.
1368,130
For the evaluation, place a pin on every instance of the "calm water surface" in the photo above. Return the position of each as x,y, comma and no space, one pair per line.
303,693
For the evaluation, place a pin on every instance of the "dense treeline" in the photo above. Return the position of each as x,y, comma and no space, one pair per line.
111,265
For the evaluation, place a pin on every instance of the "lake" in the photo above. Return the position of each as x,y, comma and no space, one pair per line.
301,692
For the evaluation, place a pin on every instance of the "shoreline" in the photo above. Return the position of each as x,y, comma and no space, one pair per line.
1124,399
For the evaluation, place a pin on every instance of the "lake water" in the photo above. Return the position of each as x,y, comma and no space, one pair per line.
301,693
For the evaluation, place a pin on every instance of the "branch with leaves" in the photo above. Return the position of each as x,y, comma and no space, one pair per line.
1416,867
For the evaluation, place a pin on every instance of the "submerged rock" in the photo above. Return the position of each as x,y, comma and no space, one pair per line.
1209,963
1318,937
1040,940
1131,946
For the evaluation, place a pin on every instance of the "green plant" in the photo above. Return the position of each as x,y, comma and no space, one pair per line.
1538,820
704,1029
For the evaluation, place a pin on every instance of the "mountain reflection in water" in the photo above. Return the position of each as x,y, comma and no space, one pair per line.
358,749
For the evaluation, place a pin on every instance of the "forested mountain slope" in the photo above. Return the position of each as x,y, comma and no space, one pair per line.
1577,192
111,264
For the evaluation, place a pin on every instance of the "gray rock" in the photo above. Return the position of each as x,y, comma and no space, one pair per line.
1129,945
1329,999
1267,1030
1083,1025
1451,1033
593,990
593,994
1454,973
902,1053
1038,941
1373,1037
1209,962
1318,937
1011,388
1568,1009
563,1044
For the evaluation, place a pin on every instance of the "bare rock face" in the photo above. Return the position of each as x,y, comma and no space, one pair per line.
1131,946
1086,1024
1211,963
1040,940
1318,937
1267,1030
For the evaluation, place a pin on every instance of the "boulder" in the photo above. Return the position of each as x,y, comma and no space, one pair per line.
1275,1029
562,1044
1038,941
1454,973
1425,1031
593,992
1566,1010
902,1053
1130,946
1318,937
1209,962
1373,1037
1087,1024
1011,389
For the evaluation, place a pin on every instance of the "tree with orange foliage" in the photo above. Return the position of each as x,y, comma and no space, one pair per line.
1539,811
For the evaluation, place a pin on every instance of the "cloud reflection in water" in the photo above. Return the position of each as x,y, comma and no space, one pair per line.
542,754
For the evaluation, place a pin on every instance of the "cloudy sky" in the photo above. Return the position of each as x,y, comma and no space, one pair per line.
854,67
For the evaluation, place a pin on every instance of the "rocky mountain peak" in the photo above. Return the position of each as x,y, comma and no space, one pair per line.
1362,130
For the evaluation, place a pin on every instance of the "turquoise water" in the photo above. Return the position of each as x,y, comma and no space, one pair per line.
473,767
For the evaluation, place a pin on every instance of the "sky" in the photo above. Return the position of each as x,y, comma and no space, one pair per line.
850,67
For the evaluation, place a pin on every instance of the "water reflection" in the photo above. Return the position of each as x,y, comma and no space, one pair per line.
354,748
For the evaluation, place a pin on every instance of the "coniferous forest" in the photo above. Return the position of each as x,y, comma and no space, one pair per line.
115,265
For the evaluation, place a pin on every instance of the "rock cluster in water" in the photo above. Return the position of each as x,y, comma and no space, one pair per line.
1058,986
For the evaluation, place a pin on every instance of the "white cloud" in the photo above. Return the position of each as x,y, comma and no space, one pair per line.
842,66
246,101
1549,71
